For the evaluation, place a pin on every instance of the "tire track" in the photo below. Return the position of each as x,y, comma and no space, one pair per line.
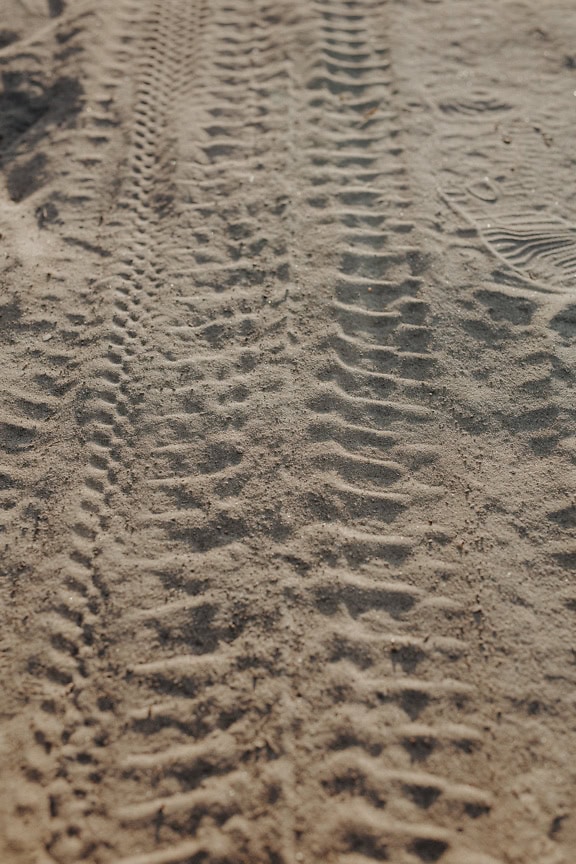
495,168
395,767
59,98
71,734
264,633
240,795
216,324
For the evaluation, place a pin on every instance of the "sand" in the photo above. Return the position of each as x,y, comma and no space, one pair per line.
287,432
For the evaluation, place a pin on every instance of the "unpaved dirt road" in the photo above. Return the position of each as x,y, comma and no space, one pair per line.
287,431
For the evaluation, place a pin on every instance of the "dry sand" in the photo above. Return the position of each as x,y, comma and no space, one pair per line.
288,431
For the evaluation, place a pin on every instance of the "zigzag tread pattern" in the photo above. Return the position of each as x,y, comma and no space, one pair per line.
212,746
250,654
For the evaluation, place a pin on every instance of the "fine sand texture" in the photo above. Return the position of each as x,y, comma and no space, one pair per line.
287,431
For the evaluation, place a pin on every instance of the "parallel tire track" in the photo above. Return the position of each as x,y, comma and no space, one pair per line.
210,744
252,648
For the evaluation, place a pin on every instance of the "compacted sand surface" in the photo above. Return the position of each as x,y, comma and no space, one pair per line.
287,431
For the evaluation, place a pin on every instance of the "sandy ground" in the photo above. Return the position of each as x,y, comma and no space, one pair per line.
287,431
